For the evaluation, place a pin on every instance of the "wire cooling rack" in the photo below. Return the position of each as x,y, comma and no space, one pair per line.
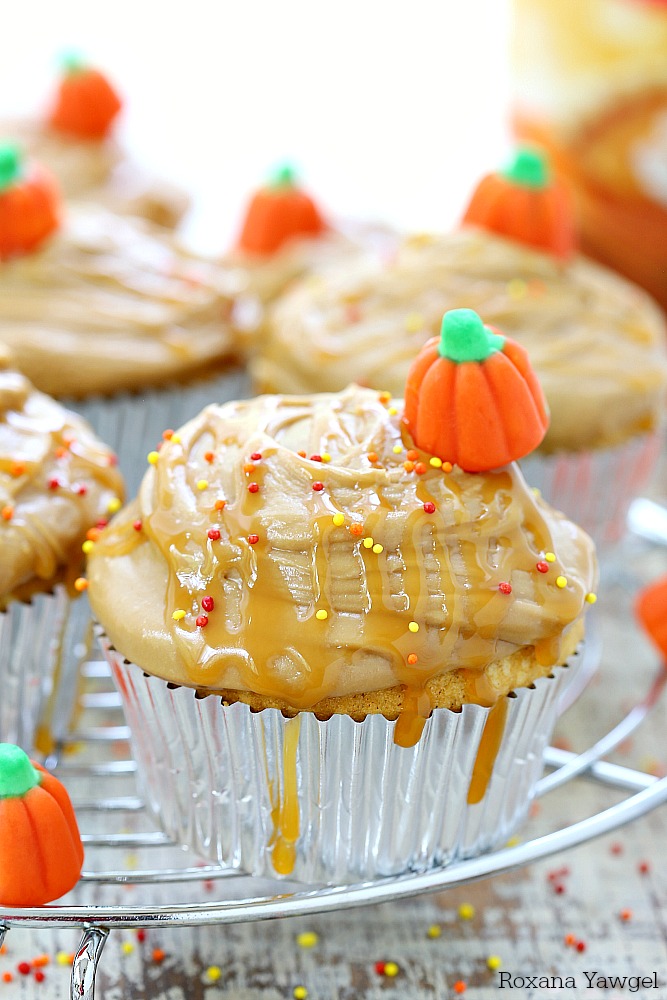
126,855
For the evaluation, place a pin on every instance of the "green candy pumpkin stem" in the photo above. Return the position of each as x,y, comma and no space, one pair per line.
283,177
10,165
528,169
72,62
463,337
17,775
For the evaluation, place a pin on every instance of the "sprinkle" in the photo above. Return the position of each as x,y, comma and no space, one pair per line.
356,529
625,915
372,457
178,615
141,935
494,962
412,658
505,588
152,457
413,626
81,490
513,841
213,534
420,468
409,466
561,581
137,525
434,931
127,947
253,487
7,512
24,968
300,993
253,539
102,523
207,603
307,939
40,961
318,487
17,469
580,946
391,969
392,411
384,397
80,584
536,491
570,940
62,958
591,598
466,911
168,434
377,548
447,466
616,848
201,621
643,867
338,519
550,557
435,462
60,452
542,567
7,977
249,467
397,449
459,986
88,546
316,458
301,454
413,455
414,322
256,456
220,504
53,484
175,438
209,457
326,457
158,955
368,542
114,505
213,973
202,484
93,534
321,615
39,976
429,507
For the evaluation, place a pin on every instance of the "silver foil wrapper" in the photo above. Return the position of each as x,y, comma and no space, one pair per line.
595,488
225,781
132,423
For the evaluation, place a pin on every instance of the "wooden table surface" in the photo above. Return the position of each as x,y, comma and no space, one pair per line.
610,894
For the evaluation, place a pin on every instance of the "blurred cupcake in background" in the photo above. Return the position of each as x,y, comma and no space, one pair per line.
74,138
596,341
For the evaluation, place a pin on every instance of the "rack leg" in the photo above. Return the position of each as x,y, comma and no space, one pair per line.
82,983
3,931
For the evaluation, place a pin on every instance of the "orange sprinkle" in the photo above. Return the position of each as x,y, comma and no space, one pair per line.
372,457
356,529
3,949
459,986
93,534
40,961
301,454
209,456
412,658
248,467
384,397
220,504
158,955
80,584
413,455
168,434
17,469
447,466
7,977
625,915
7,513
60,452
420,468
409,466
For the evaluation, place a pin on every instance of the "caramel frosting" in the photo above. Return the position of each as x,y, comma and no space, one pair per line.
596,342
113,303
297,549
57,481
98,170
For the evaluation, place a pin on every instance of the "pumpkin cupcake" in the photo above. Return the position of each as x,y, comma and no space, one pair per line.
95,306
74,138
58,487
357,646
597,342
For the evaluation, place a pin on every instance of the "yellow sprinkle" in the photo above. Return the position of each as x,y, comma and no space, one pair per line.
561,581
447,466
414,322
398,448
392,411
550,557
368,543
321,615
202,484
537,492
377,548
114,505
413,626
153,457
516,288
62,958
325,456
434,931
466,911
435,462
307,939
391,969
127,947
338,519
175,439
300,993
513,841
213,973
88,546
494,962
591,598
178,615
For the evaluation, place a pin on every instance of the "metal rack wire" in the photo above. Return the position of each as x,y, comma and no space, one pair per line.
203,894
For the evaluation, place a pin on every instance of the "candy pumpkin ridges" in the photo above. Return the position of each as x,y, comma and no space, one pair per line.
278,213
86,104
523,203
29,204
472,398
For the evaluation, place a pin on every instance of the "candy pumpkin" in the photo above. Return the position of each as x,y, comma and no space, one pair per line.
86,104
29,204
651,612
279,212
40,846
472,398
524,204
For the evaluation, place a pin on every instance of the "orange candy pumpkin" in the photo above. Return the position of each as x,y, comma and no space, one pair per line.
40,846
86,104
651,612
472,398
29,204
522,203
278,213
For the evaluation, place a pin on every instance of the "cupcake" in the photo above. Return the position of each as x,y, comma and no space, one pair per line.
95,305
340,654
75,140
58,486
285,236
588,332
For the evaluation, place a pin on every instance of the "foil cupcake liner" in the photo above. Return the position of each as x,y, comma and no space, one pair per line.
243,788
132,423
595,488
31,654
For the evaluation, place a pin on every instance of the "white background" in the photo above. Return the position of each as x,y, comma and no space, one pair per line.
390,110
